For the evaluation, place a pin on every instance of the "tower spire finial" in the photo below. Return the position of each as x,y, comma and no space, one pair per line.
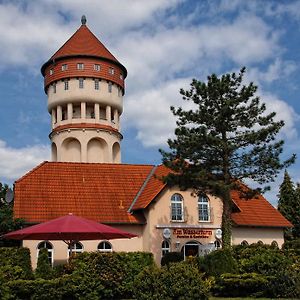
83,20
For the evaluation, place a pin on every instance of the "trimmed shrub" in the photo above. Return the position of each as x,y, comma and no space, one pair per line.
43,269
176,281
218,262
4,290
241,285
171,257
15,263
109,275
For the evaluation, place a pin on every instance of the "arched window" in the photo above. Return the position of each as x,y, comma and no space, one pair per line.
165,247
177,207
260,243
76,248
244,243
203,209
105,247
49,247
274,244
217,244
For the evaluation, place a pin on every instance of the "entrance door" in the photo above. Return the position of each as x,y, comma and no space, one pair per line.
191,249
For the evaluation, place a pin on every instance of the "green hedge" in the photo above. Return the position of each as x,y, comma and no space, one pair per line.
15,263
171,257
241,285
175,281
111,275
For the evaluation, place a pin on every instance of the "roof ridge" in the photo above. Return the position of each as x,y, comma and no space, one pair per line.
32,170
99,163
142,188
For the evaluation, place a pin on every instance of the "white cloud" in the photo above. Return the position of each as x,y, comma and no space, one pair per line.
14,163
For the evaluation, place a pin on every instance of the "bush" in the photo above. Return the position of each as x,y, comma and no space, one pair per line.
218,262
176,281
15,263
241,285
170,257
109,275
43,269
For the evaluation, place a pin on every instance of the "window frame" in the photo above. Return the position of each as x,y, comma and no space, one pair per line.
80,66
80,83
177,208
111,71
110,87
97,84
105,250
76,250
66,83
97,67
204,214
165,247
50,251
64,67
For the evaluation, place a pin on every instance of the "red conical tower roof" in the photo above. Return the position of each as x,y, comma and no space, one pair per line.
83,43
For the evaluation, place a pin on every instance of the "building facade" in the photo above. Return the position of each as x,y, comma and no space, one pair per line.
84,84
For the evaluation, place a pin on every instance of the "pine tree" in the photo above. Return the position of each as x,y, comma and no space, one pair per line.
228,137
296,221
286,202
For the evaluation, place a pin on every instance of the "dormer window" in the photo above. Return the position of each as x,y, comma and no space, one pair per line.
97,67
64,67
51,72
111,71
121,76
203,209
80,66
177,207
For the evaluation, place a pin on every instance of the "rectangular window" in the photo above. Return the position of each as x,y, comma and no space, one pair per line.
109,87
66,85
64,67
111,71
177,212
54,88
96,84
204,213
80,80
80,66
97,67
51,72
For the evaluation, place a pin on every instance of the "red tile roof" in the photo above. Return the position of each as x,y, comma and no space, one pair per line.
257,211
100,192
106,192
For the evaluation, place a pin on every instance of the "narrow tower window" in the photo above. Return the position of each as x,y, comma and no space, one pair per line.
80,80
64,67
66,85
80,66
96,84
109,87
54,88
97,67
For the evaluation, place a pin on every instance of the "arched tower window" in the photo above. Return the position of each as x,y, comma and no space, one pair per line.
116,150
105,247
54,152
49,247
244,243
71,150
97,151
203,208
177,207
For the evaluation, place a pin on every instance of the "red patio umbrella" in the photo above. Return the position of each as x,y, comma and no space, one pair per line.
70,229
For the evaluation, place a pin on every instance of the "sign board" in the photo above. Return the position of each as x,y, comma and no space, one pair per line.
191,233
218,234
166,233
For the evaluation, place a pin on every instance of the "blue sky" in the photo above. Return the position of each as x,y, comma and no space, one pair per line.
163,44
